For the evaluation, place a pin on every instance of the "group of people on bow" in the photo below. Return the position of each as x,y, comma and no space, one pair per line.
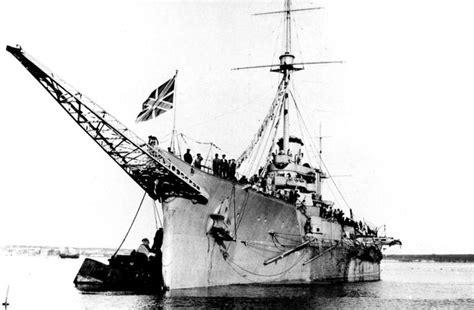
224,168
338,215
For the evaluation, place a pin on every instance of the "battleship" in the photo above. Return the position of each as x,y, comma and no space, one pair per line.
268,223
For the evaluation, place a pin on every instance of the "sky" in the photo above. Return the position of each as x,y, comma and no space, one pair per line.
398,113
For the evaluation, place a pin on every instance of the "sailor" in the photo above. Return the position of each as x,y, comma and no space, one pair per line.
263,184
232,169
198,161
243,180
188,157
153,141
153,145
224,167
144,248
215,165
253,179
322,211
292,197
299,157
298,196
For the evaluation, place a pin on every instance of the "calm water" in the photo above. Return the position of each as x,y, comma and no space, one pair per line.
46,283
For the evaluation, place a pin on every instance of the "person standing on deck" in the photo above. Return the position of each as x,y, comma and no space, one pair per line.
198,161
232,169
153,145
215,165
188,157
224,167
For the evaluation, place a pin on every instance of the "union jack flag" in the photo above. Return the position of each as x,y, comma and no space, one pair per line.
159,101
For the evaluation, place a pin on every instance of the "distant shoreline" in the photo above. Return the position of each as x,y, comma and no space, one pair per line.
32,250
440,258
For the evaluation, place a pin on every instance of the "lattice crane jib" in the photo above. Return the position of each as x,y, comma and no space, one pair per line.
146,165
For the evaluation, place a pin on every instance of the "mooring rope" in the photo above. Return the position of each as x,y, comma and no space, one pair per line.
133,221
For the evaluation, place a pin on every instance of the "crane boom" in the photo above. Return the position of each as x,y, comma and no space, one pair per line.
146,165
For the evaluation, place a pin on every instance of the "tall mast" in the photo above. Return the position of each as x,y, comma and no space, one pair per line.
288,26
320,147
286,66
285,59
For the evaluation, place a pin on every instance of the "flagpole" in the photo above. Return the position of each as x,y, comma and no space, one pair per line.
175,101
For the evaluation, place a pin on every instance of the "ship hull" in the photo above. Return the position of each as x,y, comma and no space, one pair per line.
261,228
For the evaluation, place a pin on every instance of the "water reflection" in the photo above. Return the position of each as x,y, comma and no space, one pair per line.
390,293
40,283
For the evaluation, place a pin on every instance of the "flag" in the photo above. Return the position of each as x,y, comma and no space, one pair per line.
159,101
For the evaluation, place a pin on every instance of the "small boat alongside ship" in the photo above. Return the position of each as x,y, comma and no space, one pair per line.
123,272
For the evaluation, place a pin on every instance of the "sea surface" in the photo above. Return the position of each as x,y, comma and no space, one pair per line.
46,283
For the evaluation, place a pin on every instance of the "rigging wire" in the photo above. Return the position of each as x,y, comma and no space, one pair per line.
133,221
301,129
163,137
300,118
251,158
253,163
297,38
322,161
207,156
268,131
184,140
280,32
179,147
242,209
220,115
272,144
200,142
235,211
